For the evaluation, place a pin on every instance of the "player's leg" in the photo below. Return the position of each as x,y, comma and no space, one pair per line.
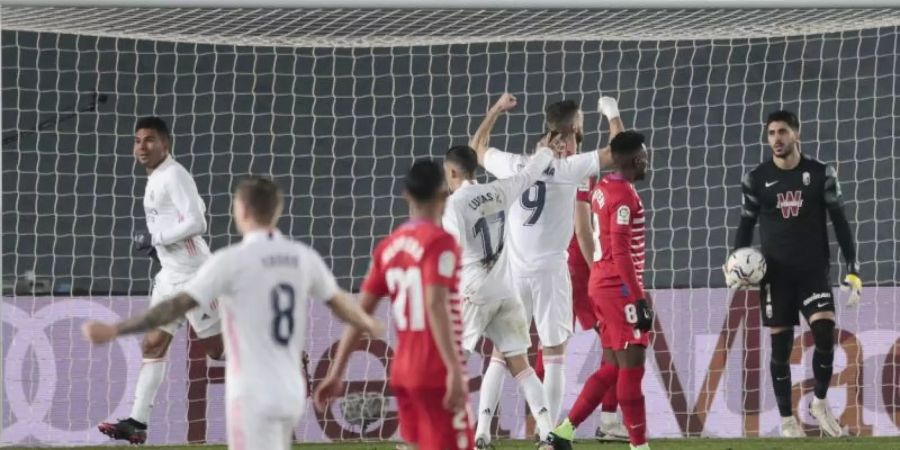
154,364
509,333
475,320
630,393
553,319
780,314
818,308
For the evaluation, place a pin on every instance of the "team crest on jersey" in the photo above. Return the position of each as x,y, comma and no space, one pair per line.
623,215
806,178
790,202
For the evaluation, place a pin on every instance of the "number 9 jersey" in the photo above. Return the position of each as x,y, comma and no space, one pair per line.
416,255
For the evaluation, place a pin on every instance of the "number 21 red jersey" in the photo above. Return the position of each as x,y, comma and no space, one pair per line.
417,254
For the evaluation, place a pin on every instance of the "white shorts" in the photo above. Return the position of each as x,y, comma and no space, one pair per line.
205,321
501,321
547,298
248,429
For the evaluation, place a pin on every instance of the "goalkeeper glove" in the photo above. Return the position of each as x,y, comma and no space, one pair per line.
609,107
644,316
852,283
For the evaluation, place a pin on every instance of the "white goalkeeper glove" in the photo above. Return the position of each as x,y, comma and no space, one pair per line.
609,107
853,284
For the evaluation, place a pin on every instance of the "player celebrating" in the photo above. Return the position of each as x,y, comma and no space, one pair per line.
265,283
175,219
616,289
418,266
476,216
790,196
541,224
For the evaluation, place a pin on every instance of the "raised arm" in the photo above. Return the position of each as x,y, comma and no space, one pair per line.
482,136
609,107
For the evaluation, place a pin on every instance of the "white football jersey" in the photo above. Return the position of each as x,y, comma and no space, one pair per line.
175,217
264,284
476,215
542,221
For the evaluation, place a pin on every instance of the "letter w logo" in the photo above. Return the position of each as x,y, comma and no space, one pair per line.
790,203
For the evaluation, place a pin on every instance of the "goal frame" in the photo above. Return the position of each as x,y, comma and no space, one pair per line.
462,4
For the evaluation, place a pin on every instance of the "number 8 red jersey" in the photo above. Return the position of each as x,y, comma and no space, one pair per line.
417,254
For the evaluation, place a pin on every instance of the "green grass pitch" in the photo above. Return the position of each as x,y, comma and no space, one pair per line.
892,443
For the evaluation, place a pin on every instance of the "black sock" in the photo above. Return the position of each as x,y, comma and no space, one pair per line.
138,425
823,356
780,368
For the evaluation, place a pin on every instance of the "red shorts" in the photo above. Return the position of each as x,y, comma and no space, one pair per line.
425,422
581,301
613,309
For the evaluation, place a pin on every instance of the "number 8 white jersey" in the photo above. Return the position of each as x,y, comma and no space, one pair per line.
264,285
476,215
541,221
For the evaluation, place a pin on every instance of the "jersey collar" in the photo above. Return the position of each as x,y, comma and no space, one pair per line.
260,235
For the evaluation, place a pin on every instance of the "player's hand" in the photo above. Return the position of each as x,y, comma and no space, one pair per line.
506,102
853,284
455,395
644,316
142,242
329,388
556,142
609,107
98,332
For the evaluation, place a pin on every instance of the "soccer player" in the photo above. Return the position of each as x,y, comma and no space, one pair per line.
540,227
476,216
175,219
791,195
581,256
265,285
418,267
616,290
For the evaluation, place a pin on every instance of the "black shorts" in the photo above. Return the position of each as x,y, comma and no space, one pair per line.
785,293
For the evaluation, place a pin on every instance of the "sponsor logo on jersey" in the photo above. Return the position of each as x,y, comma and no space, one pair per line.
790,202
623,215
816,296
771,183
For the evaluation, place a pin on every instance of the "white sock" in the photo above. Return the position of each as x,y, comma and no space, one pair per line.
534,395
608,418
554,383
489,397
149,380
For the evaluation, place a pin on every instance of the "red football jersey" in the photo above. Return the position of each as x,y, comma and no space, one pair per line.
619,219
417,254
576,260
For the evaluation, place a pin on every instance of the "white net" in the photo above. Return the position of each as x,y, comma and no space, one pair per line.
335,104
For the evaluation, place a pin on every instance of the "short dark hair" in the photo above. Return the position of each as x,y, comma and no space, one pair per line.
425,180
153,123
785,116
464,157
561,114
262,197
626,143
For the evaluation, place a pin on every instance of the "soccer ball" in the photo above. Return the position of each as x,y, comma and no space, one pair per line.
746,264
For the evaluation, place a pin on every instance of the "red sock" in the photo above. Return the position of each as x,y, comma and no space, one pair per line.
596,386
539,364
610,399
631,400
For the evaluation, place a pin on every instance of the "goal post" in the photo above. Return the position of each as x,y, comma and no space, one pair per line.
336,101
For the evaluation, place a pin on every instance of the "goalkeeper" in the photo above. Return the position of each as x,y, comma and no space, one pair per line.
790,195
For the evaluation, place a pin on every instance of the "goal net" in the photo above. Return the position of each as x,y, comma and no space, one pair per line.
336,104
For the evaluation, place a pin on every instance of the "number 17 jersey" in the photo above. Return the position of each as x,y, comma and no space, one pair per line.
416,255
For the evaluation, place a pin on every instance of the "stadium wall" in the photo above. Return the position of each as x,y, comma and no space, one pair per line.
707,376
